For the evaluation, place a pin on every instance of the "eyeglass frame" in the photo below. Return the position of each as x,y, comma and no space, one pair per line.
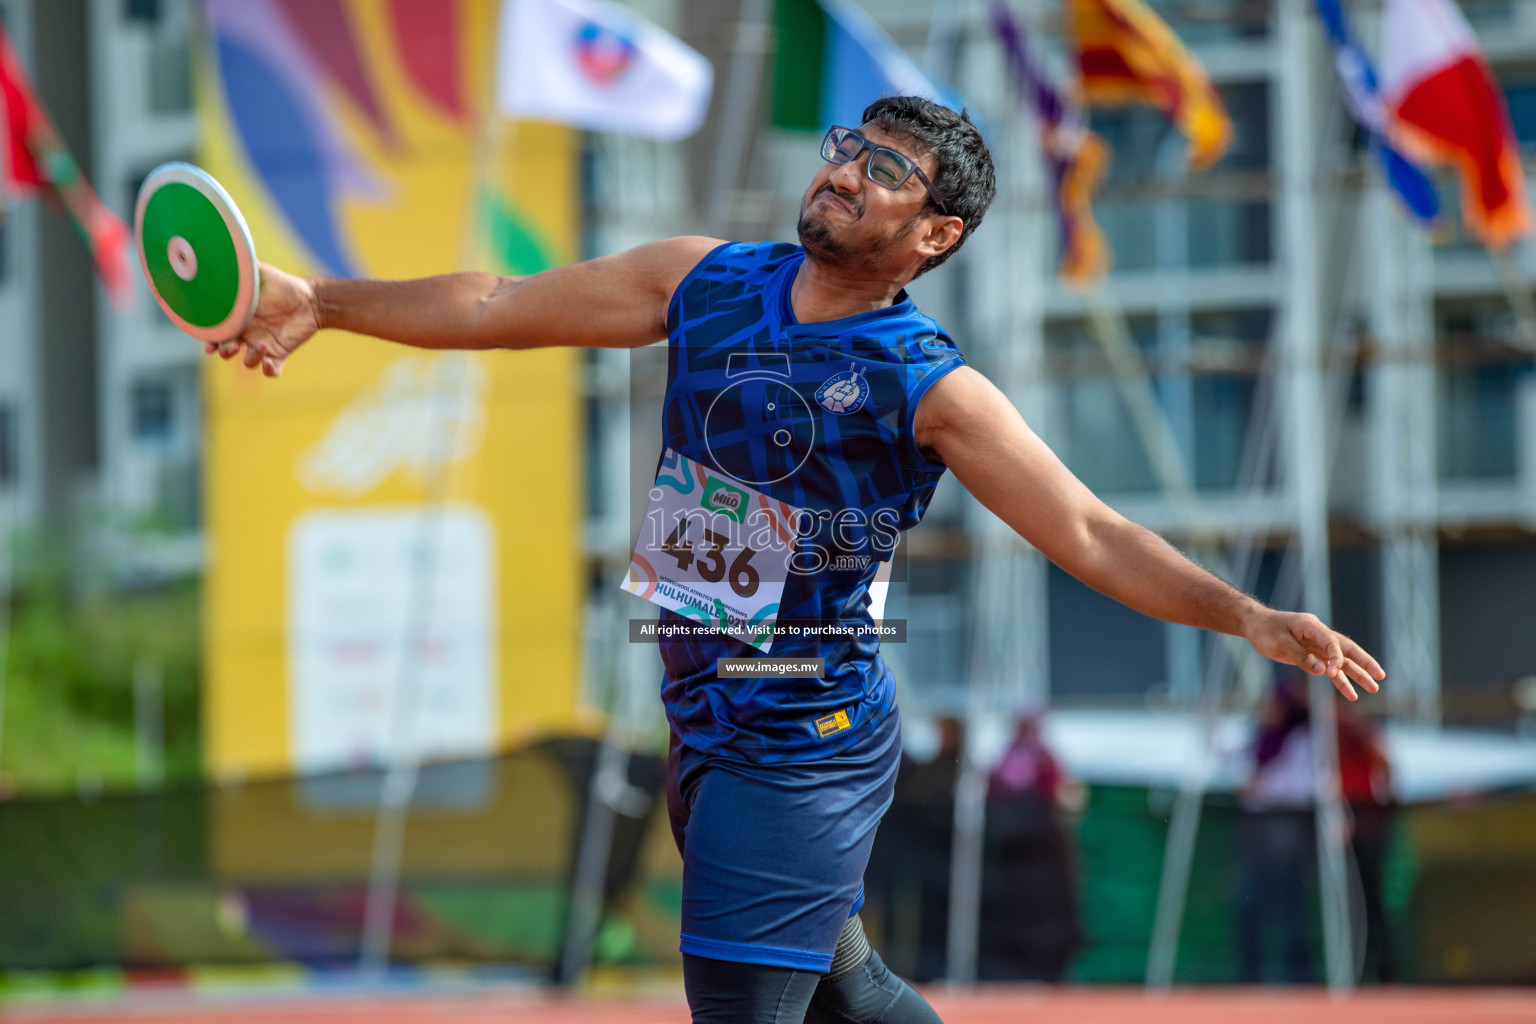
828,144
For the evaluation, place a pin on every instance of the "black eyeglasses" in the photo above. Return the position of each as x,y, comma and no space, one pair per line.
885,167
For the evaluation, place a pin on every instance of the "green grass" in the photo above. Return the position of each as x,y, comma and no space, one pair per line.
69,689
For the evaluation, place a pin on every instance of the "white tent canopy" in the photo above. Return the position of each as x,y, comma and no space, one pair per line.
1156,748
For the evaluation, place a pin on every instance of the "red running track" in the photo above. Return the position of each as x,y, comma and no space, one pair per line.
989,1006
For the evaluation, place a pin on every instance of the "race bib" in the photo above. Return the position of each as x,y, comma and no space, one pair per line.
714,550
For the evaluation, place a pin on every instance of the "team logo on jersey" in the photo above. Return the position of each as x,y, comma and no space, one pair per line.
843,393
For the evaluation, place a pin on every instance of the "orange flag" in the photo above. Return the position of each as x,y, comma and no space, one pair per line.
1444,105
1127,54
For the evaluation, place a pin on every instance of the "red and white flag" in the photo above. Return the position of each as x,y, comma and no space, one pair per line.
1444,106
593,64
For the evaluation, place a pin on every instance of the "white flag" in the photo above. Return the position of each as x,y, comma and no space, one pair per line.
595,65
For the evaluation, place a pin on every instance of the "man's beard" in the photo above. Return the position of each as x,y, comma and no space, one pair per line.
823,246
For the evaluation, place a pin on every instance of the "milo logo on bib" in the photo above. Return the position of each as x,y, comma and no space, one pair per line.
720,496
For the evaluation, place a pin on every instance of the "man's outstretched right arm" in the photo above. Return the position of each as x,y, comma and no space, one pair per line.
617,301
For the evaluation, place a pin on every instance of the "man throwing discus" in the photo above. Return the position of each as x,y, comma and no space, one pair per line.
803,379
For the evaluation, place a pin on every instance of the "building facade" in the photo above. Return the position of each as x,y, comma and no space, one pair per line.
99,409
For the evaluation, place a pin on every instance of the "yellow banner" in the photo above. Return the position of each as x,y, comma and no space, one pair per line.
394,534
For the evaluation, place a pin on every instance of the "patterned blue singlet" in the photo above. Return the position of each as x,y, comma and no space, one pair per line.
818,416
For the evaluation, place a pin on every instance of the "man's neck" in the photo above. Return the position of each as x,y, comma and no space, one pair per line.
821,293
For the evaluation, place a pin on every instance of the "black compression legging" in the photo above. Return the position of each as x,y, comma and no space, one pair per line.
863,992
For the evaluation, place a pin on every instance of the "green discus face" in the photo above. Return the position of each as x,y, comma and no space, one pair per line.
190,256
196,252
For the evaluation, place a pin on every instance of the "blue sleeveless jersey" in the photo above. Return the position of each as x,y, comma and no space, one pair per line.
818,416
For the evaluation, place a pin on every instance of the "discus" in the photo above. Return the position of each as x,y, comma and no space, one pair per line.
196,252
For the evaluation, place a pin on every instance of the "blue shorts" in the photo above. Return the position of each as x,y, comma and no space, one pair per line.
774,855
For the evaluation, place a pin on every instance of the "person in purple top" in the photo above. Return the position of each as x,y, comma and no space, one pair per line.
777,783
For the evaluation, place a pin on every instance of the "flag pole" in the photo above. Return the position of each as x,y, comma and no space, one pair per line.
1517,289
1305,472
737,122
492,135
943,35
401,754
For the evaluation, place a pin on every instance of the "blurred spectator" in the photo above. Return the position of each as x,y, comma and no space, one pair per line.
1278,853
1029,922
928,789
1365,780
907,880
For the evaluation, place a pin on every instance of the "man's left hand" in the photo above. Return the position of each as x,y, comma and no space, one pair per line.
1303,640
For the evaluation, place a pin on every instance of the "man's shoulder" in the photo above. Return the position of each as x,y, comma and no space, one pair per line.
719,281
920,337
744,258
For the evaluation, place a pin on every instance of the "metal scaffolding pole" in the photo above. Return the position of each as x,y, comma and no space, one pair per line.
642,197
609,795
1166,431
401,748
1184,825
401,753
738,120
1404,425
1259,453
1252,670
1306,464
1175,383
1008,661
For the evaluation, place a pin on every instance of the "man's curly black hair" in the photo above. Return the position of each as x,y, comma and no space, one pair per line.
964,177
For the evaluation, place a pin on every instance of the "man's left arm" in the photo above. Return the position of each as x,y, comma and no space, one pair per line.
966,423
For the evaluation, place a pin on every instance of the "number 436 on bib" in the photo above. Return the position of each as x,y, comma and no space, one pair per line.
714,550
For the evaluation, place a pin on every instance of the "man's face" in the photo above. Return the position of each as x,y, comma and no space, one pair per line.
847,219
